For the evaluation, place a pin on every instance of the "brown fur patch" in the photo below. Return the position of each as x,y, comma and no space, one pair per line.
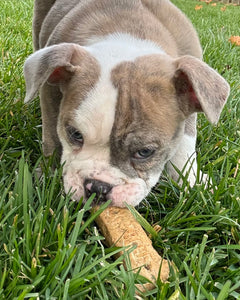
146,92
147,112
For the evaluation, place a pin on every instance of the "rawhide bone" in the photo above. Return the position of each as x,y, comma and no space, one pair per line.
120,228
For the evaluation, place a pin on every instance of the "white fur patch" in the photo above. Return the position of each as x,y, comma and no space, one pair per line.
119,47
185,158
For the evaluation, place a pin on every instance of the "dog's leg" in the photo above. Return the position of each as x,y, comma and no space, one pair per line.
41,9
185,157
50,98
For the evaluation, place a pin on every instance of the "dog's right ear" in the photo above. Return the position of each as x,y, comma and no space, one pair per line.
55,64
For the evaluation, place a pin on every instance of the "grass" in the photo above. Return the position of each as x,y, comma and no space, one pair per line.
50,247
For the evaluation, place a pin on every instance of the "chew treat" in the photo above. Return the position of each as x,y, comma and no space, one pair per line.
120,228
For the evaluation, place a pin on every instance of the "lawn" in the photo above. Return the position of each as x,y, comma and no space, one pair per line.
50,247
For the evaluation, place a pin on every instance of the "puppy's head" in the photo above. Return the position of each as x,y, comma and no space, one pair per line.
121,121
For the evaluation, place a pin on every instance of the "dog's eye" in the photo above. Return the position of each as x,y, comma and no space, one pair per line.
75,136
144,153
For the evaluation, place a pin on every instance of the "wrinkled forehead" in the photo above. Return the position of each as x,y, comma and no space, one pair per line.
119,98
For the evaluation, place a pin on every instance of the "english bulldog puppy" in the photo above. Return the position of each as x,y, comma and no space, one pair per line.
120,84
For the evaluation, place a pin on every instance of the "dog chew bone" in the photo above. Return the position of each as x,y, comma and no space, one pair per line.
120,228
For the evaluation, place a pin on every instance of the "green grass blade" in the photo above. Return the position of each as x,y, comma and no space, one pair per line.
142,221
224,291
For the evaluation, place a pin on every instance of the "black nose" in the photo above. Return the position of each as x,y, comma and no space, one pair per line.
100,188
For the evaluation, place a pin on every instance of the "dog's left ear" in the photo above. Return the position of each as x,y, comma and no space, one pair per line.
199,88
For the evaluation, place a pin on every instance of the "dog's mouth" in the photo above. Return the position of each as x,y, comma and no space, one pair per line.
105,187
